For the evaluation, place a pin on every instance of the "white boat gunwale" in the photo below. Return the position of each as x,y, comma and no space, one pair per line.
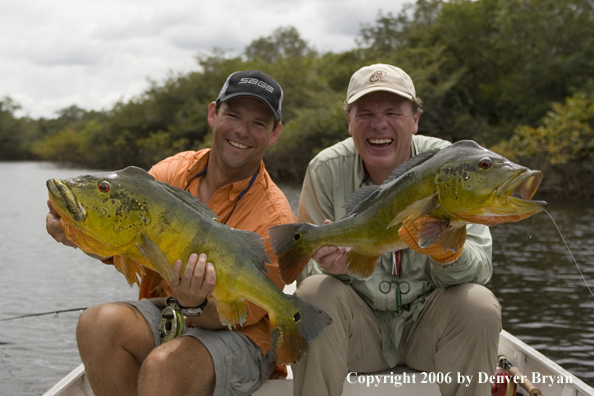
527,359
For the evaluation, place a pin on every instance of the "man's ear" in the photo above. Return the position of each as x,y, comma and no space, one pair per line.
416,122
275,134
348,116
212,114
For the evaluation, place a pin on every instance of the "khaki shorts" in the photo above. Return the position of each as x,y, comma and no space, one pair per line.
240,366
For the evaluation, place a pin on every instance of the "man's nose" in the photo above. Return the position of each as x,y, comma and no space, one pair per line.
242,128
379,121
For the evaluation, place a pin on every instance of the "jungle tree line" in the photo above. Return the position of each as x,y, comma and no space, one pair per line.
517,76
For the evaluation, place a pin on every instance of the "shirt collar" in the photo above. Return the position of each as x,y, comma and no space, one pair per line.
232,189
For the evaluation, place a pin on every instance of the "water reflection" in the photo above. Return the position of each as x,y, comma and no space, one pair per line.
545,301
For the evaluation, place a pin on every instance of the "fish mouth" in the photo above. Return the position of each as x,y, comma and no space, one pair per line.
63,196
522,187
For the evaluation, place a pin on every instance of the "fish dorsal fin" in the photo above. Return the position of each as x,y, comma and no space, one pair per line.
416,209
357,197
255,243
154,255
367,192
411,163
191,200
182,195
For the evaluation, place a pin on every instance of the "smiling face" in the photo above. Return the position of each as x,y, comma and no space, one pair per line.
242,131
382,125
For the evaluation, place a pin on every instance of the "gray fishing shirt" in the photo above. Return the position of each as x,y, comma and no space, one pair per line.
331,178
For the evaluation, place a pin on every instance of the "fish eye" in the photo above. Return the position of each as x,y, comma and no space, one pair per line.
104,186
485,163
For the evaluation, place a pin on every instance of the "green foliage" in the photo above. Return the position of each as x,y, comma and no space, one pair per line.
311,131
282,44
16,134
482,67
562,147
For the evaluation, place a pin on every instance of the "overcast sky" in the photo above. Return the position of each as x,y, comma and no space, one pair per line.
57,53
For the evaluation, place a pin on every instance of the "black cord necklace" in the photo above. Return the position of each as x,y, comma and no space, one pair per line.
241,194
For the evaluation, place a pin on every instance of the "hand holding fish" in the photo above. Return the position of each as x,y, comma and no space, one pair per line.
332,258
410,234
52,225
196,283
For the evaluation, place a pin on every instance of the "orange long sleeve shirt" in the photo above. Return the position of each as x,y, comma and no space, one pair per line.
264,205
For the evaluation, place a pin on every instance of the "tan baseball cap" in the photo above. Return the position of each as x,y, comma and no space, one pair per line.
380,77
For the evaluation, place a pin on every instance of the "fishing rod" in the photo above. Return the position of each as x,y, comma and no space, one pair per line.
158,301
44,313
521,378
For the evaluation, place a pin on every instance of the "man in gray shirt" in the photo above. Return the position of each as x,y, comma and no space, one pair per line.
446,321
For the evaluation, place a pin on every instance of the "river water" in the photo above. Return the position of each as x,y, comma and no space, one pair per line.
544,299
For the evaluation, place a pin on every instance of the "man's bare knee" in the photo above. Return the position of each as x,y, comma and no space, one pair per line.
183,365
108,326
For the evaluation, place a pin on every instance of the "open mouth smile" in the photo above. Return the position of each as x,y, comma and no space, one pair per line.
237,145
380,142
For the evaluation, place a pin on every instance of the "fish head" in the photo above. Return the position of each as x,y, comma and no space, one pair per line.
101,213
480,186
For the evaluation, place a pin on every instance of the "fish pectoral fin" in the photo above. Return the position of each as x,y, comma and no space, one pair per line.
416,209
361,265
232,311
453,239
154,255
430,230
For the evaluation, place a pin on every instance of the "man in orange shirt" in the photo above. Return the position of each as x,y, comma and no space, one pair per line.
120,343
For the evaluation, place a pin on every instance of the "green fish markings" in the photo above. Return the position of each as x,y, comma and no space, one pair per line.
146,223
449,188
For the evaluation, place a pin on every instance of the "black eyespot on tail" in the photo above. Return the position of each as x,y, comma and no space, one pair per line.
296,237
297,317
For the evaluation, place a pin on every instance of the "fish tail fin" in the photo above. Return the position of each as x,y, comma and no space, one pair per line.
291,335
292,247
361,265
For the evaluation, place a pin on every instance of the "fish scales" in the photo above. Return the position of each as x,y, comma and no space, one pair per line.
440,190
145,223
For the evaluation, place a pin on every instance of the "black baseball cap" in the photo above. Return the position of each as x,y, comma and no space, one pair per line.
257,84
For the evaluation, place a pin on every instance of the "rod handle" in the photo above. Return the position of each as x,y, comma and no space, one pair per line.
526,384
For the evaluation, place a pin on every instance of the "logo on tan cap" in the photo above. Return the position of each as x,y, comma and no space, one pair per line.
378,75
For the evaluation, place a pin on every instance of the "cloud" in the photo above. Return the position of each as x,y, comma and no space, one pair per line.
53,53
91,54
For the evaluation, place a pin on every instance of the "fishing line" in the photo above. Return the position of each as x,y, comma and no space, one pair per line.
570,253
